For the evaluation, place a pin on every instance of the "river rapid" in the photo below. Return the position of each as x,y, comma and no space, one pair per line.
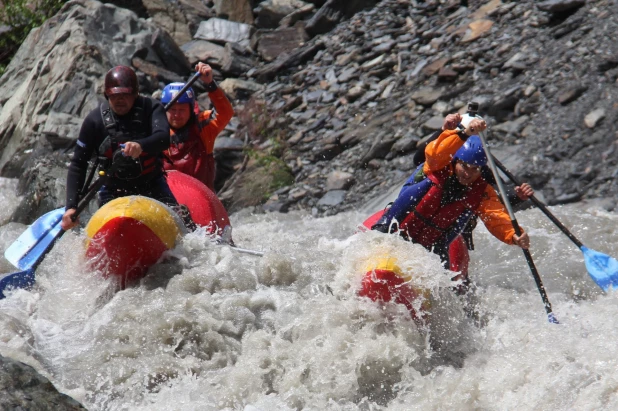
214,329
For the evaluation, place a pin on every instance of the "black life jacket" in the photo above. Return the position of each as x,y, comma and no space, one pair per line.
145,167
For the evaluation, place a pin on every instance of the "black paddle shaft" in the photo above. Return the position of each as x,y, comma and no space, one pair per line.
517,228
92,190
182,90
540,205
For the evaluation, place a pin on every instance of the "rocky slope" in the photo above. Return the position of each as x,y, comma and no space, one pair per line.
544,74
331,101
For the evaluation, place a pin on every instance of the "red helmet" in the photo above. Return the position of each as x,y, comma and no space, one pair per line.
120,80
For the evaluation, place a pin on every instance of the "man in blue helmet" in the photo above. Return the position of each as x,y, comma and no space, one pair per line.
447,191
516,195
193,134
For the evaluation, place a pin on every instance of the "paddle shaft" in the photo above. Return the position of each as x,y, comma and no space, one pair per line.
246,251
540,205
182,90
516,227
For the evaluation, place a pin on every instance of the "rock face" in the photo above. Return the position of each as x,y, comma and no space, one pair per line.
23,388
544,75
349,93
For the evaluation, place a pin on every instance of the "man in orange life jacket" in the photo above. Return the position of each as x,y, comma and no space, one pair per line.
458,249
447,193
132,131
193,136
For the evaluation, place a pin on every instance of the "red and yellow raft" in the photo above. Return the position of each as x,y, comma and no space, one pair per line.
128,235
385,281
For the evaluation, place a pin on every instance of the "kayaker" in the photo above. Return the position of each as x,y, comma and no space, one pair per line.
447,192
129,130
458,249
193,134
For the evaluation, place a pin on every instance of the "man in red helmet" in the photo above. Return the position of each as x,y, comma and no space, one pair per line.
129,130
193,136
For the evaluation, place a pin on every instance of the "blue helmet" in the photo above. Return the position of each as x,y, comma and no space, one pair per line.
472,152
172,89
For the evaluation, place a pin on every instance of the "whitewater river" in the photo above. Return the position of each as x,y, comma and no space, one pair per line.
213,329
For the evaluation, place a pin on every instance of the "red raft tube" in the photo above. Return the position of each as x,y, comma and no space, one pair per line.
128,235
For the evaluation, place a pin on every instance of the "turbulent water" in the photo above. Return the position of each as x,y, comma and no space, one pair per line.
214,329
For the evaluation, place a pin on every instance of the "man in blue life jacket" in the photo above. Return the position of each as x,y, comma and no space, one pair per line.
131,131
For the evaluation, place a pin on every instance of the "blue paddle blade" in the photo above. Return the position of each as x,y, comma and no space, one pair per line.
602,268
21,279
28,249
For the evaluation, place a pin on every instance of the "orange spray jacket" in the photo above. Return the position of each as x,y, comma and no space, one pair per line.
491,211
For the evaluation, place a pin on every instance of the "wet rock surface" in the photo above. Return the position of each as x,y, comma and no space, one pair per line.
23,388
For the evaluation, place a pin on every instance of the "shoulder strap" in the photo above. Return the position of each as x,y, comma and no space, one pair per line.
139,111
107,115
139,115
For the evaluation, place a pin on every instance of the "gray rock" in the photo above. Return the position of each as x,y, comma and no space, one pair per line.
339,180
556,6
426,96
348,74
405,144
235,10
434,123
594,117
355,93
22,388
228,143
204,51
240,89
279,41
272,11
224,31
571,94
172,57
332,198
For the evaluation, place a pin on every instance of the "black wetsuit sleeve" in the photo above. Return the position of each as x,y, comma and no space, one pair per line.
159,139
419,156
87,143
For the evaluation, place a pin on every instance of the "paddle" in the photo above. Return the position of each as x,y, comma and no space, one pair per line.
602,268
29,250
192,80
246,251
517,228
